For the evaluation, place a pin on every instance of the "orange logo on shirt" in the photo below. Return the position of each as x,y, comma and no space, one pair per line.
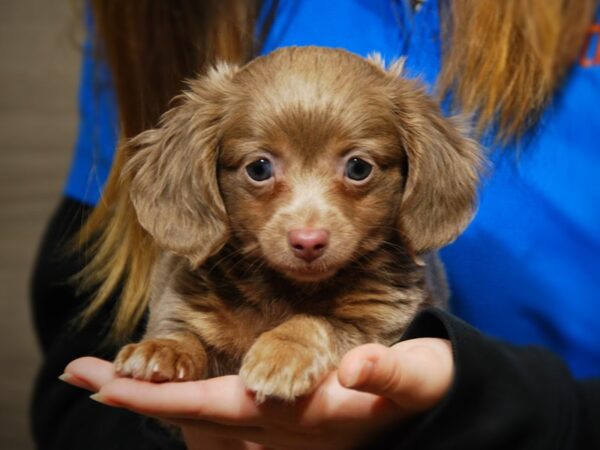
591,49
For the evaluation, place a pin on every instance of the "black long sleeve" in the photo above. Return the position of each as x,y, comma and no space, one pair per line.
63,417
503,397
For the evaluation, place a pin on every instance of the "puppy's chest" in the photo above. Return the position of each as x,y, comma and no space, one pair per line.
233,331
230,315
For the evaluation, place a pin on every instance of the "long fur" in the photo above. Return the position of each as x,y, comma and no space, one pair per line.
229,294
504,60
486,43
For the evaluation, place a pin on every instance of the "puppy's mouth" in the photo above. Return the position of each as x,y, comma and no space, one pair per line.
309,273
307,255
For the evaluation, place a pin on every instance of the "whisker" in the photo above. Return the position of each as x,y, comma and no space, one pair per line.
257,266
224,258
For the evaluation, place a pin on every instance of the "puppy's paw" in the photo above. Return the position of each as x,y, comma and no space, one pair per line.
160,360
281,368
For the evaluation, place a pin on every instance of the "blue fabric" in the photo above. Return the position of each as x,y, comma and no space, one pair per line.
98,124
362,27
527,269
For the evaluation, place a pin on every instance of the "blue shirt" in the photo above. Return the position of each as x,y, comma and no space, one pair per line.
527,269
98,125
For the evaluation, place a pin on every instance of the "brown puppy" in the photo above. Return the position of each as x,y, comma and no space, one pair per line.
292,198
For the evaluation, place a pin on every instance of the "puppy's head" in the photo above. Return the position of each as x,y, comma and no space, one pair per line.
308,158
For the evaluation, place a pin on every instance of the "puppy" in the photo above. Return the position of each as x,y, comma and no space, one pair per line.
293,198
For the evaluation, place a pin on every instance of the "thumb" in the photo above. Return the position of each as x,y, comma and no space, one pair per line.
414,374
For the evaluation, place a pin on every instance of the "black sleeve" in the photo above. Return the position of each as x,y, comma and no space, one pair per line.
503,397
63,417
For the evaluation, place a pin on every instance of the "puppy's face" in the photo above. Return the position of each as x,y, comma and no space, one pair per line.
307,158
310,167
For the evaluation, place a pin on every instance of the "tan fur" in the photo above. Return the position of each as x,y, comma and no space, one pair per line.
502,62
228,294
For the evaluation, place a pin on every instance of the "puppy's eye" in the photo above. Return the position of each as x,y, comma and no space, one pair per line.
260,170
358,169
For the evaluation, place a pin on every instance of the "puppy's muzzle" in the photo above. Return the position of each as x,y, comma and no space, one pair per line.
307,243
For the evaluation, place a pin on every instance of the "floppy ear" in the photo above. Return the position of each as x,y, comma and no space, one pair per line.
443,169
173,172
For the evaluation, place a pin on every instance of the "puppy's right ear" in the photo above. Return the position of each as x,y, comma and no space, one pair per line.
173,172
443,166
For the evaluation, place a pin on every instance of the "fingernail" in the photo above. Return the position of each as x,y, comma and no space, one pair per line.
101,399
66,377
75,381
360,375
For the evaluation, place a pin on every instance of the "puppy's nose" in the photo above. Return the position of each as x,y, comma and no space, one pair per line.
307,243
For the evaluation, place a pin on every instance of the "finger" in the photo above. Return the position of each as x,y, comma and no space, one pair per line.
414,374
89,373
223,399
332,404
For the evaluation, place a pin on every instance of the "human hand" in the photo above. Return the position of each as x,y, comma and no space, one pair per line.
374,386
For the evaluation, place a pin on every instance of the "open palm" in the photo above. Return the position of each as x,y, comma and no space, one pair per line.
373,387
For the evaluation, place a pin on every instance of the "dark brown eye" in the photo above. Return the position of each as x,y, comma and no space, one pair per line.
358,169
260,170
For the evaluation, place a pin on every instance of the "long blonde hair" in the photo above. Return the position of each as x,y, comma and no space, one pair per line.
502,62
504,59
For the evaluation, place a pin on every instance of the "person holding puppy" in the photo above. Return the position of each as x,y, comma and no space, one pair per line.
445,385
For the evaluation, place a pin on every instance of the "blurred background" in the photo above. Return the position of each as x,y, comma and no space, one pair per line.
39,64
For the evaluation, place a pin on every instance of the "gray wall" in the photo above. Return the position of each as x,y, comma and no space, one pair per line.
39,59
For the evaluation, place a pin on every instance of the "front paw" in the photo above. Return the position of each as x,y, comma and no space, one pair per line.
282,368
160,360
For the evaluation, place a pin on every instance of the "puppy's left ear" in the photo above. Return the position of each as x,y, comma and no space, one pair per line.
173,171
443,169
